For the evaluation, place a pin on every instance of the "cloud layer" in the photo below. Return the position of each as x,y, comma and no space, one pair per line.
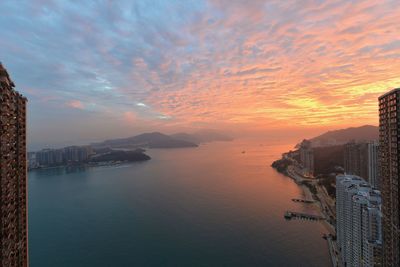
217,63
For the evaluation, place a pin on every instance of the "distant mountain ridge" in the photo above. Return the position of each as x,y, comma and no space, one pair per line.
338,137
160,140
150,140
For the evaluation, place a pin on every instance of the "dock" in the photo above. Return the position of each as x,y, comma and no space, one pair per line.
298,215
303,200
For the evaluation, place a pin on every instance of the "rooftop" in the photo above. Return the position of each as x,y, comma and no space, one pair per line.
5,77
390,92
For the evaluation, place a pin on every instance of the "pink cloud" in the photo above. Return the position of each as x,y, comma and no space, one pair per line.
76,104
257,62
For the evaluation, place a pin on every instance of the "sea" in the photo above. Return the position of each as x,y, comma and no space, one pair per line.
220,204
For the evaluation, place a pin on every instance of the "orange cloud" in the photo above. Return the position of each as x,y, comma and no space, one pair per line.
305,65
218,63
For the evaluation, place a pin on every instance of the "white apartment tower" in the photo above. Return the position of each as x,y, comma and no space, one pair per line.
358,227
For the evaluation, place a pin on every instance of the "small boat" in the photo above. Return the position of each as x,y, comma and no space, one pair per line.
288,215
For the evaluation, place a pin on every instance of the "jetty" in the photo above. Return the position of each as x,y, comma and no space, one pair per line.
298,215
303,200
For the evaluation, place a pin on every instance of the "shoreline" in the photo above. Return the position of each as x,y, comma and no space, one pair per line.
87,165
318,206
309,196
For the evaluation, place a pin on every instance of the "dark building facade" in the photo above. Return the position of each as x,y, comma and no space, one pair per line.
356,159
389,150
361,159
13,175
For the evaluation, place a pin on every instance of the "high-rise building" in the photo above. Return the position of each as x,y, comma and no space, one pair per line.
50,157
66,155
77,153
373,165
355,159
13,174
389,148
307,157
358,222
361,159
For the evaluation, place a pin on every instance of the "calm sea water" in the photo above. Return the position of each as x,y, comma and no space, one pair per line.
206,206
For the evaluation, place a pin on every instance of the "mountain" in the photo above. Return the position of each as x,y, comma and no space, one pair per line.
202,136
151,140
338,137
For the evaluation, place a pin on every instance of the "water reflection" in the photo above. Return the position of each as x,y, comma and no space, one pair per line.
207,206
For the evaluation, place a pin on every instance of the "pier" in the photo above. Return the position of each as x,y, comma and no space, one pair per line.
303,200
298,215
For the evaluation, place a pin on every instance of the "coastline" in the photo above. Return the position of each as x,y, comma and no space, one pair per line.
288,170
86,165
317,204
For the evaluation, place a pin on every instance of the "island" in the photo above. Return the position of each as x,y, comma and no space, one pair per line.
114,151
148,140
80,156
121,156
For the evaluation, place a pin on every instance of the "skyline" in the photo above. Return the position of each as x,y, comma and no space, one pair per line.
98,70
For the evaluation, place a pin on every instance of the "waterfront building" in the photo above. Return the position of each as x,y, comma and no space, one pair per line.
56,157
13,175
361,159
358,222
307,158
42,157
389,145
77,153
32,162
50,157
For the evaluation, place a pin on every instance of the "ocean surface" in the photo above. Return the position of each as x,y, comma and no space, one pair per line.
220,204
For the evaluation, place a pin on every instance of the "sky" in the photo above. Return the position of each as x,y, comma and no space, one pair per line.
93,70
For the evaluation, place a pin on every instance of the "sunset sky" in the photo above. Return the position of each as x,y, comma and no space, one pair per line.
101,69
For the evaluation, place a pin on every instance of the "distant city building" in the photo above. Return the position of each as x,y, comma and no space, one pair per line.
307,158
358,222
32,163
361,159
50,157
389,172
56,157
13,182
77,153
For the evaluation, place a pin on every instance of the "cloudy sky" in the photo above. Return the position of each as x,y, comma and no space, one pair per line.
101,69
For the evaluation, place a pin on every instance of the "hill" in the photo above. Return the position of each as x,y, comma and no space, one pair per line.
339,137
150,140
